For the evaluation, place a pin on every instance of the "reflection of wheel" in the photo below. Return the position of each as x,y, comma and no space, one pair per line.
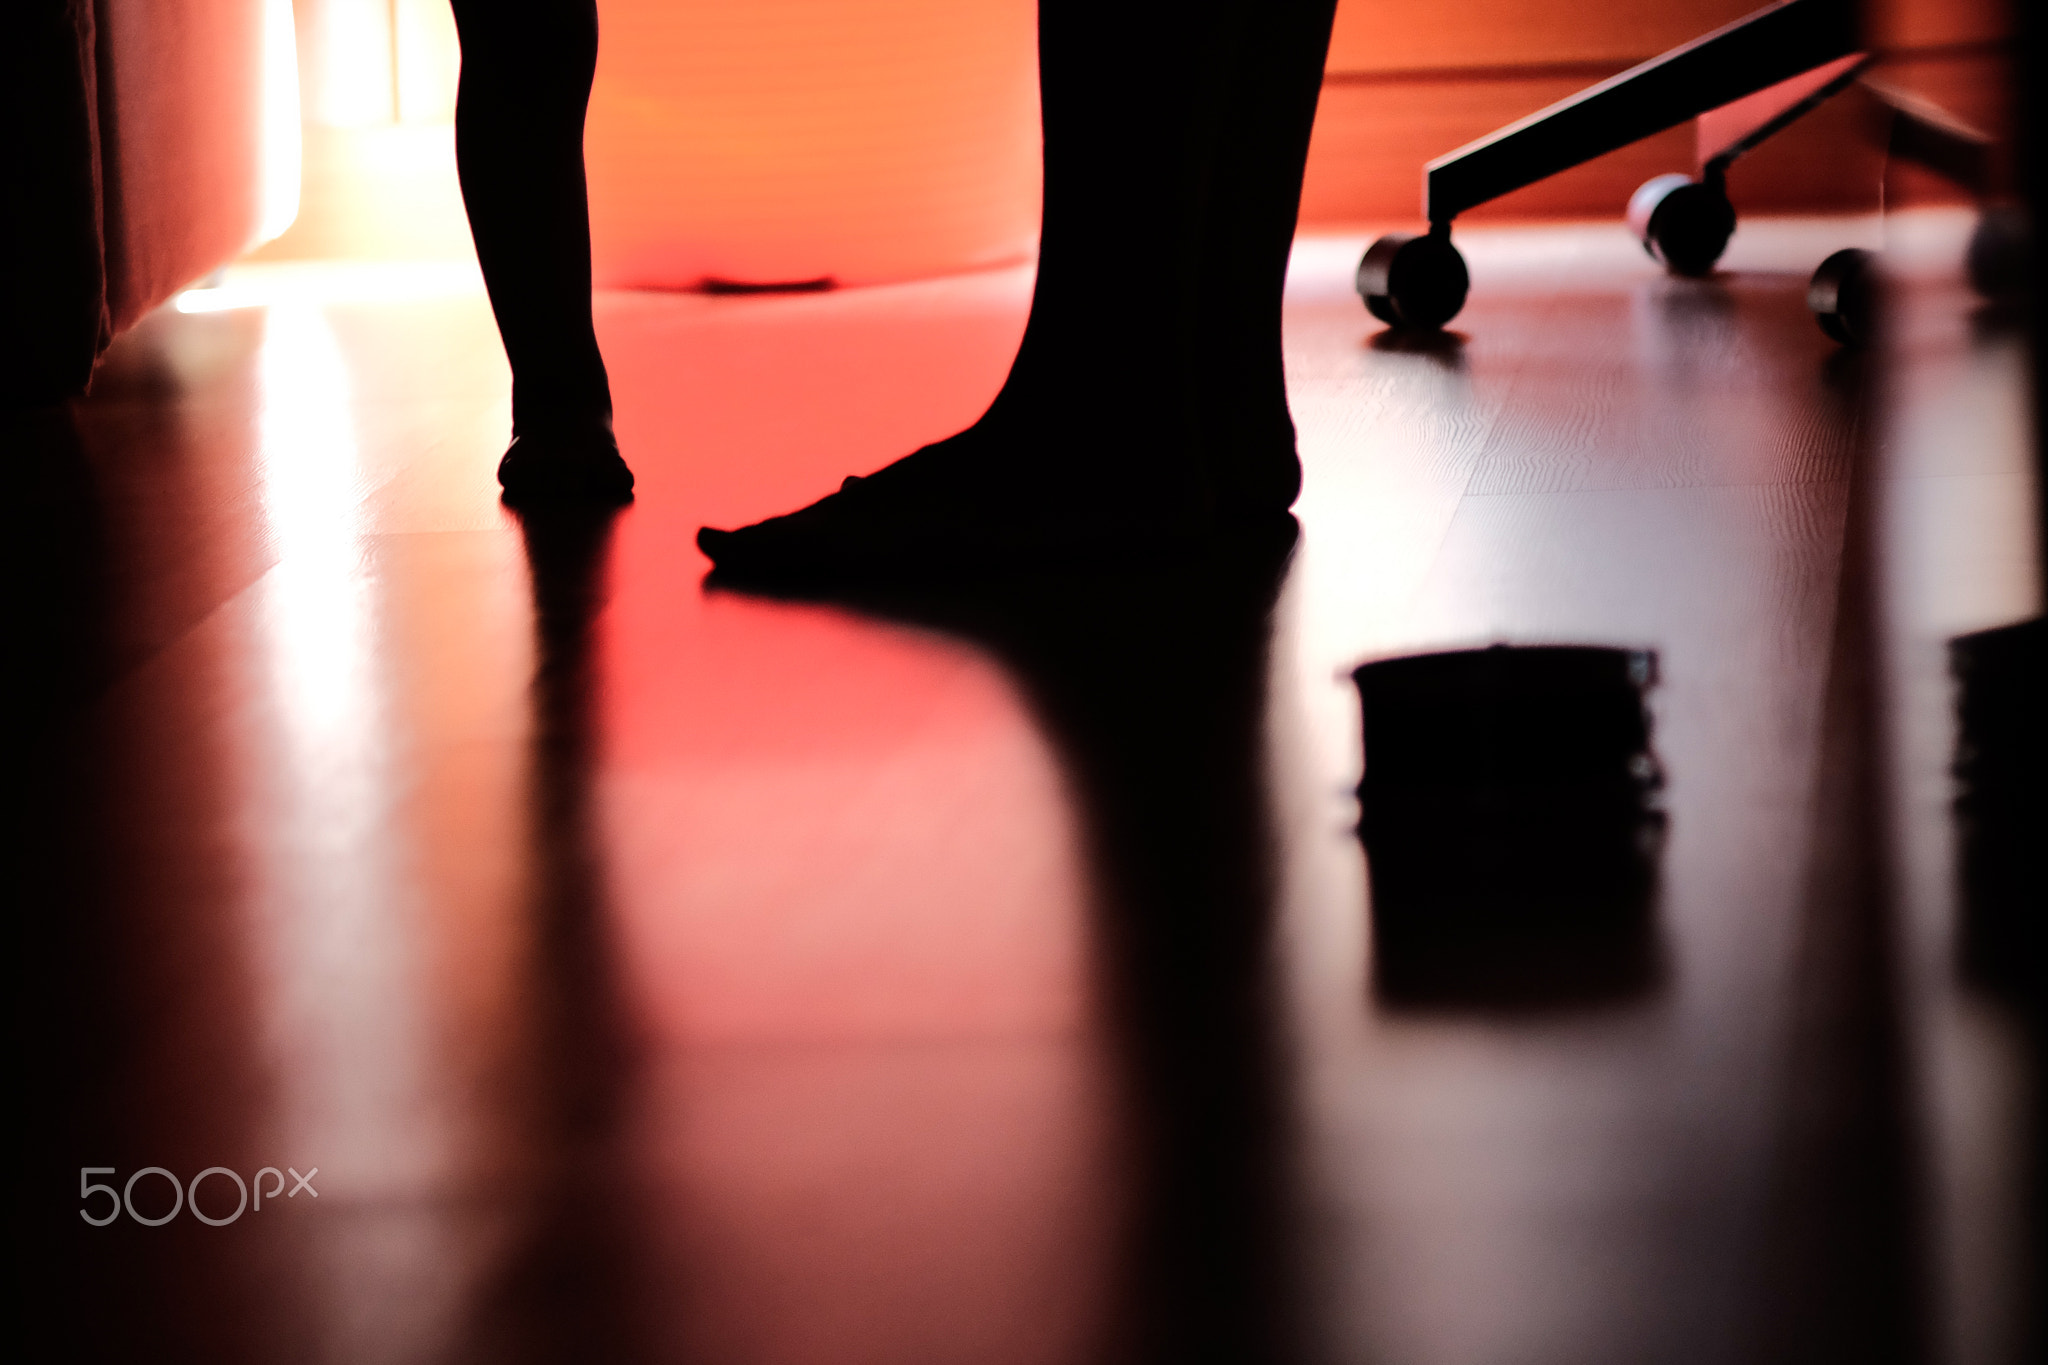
1417,282
2001,254
1682,222
1843,296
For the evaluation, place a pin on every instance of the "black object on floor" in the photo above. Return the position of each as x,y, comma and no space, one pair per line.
2002,770
1847,293
1844,294
1507,814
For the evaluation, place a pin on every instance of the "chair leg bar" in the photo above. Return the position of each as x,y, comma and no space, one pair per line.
1930,137
1734,130
1739,59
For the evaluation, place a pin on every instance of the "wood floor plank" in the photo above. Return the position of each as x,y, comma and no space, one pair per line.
665,973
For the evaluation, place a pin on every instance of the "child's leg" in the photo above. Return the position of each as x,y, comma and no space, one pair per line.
526,72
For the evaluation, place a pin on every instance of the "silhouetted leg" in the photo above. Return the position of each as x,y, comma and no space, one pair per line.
1150,686
1260,150
569,1285
1145,406
526,72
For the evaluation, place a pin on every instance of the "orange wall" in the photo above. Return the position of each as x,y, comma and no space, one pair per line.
789,140
785,140
1424,36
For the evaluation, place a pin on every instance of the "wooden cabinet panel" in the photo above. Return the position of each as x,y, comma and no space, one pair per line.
1421,35
1408,82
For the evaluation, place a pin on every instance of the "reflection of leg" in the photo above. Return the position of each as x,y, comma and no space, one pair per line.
1145,402
1151,687
568,1286
526,73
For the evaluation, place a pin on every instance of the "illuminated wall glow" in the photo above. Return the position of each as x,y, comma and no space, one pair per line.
429,60
281,144
306,285
787,140
369,63
348,63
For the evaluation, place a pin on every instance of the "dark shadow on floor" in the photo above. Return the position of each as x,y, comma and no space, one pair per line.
570,1288
2002,807
1847,1276
1447,349
1151,685
121,1061
2001,769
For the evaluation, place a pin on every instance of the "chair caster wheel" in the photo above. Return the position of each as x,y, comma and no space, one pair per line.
1682,223
1843,296
1414,281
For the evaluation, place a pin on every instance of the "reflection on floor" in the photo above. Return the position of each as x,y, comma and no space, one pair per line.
658,973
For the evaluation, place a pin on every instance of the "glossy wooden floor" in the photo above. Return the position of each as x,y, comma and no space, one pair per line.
658,973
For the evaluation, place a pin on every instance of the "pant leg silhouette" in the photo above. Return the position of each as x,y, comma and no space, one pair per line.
1147,400
527,67
1175,136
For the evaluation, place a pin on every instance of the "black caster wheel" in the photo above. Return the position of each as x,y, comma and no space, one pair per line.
1682,223
1412,281
1843,296
2001,255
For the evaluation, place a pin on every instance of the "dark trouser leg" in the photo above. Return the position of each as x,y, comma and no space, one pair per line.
1122,184
1259,153
526,72
1175,136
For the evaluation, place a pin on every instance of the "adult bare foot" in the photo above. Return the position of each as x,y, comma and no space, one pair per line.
1147,405
998,499
578,465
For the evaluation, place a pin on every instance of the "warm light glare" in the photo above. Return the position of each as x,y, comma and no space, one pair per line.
281,148
343,926
311,488
321,283
372,63
351,68
339,924
429,60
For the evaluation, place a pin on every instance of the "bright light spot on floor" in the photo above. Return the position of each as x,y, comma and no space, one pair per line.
322,283
339,922
312,492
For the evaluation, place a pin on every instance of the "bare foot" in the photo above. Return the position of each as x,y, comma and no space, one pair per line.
577,466
1001,498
